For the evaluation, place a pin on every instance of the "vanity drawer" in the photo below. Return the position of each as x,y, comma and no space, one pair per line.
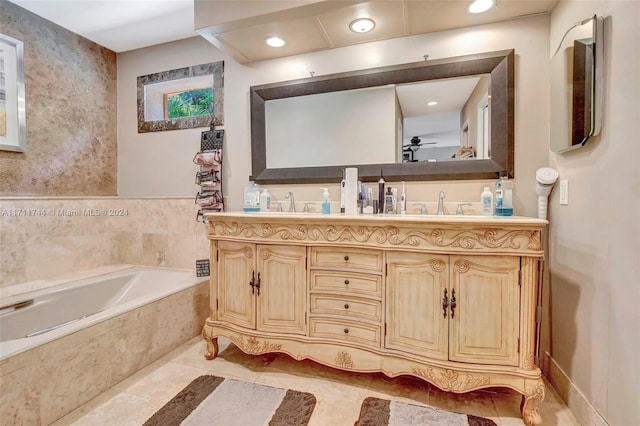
330,304
347,283
347,258
349,331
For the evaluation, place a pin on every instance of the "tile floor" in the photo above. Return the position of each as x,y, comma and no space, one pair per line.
338,393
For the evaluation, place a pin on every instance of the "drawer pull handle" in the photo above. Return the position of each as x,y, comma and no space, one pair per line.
346,306
346,331
346,258
346,282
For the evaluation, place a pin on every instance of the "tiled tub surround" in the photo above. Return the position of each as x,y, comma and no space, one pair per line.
44,383
42,238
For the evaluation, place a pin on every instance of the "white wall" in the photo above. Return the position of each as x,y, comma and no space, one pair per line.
340,128
594,250
159,163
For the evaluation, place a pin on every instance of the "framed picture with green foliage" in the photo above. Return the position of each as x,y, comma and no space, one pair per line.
182,98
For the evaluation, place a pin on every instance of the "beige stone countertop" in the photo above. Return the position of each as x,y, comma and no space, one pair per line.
387,218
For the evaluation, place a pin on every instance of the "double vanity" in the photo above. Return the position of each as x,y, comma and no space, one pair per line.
449,299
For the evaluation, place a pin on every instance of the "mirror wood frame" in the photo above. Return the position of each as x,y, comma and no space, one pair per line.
499,64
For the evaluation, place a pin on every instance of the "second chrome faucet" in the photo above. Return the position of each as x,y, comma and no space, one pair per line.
292,202
441,203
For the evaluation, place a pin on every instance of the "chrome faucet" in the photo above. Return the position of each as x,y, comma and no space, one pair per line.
441,203
460,210
292,202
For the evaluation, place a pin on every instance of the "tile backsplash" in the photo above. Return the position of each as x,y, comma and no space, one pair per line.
41,238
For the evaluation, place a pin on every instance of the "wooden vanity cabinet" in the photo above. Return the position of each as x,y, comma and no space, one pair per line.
262,287
451,300
456,308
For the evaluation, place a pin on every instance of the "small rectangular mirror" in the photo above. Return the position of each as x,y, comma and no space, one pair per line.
576,85
183,98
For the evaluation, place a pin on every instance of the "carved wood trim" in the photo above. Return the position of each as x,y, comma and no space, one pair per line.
410,236
533,396
343,359
254,346
462,266
438,265
529,362
449,380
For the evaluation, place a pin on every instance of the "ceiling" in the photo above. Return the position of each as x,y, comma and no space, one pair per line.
119,25
239,27
325,25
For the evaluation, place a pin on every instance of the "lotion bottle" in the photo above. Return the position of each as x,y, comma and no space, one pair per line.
486,202
326,201
265,201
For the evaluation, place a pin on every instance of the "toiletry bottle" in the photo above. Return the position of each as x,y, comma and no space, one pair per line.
506,207
403,201
498,196
371,203
388,202
381,183
343,195
326,201
394,194
486,202
265,201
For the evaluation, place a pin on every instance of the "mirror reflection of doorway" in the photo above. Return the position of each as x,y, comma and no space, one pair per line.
482,142
465,135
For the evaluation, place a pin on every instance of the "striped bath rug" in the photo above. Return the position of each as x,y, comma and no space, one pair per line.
383,412
211,400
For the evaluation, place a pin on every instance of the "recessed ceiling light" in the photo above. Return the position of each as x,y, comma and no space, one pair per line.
432,103
362,25
275,41
480,6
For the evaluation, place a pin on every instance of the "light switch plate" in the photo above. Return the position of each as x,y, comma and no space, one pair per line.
564,192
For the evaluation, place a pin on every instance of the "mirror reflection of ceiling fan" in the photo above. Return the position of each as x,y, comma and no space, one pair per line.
416,142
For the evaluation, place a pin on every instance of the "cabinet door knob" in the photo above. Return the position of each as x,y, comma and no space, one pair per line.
346,331
346,282
346,258
346,306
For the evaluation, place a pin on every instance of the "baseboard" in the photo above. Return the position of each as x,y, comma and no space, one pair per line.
577,402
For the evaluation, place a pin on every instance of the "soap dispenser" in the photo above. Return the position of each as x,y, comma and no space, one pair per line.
326,201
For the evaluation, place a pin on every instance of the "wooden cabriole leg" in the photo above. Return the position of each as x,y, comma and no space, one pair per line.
212,343
530,403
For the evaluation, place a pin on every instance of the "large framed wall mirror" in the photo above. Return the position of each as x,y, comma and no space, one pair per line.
440,119
576,85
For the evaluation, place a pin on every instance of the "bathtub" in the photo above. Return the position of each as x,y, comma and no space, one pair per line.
88,335
34,318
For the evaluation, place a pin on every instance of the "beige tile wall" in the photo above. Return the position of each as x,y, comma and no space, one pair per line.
41,238
84,364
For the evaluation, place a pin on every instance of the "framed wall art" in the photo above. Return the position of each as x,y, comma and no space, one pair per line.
12,97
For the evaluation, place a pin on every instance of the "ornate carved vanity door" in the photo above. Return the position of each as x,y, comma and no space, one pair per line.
283,289
416,285
484,327
236,273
